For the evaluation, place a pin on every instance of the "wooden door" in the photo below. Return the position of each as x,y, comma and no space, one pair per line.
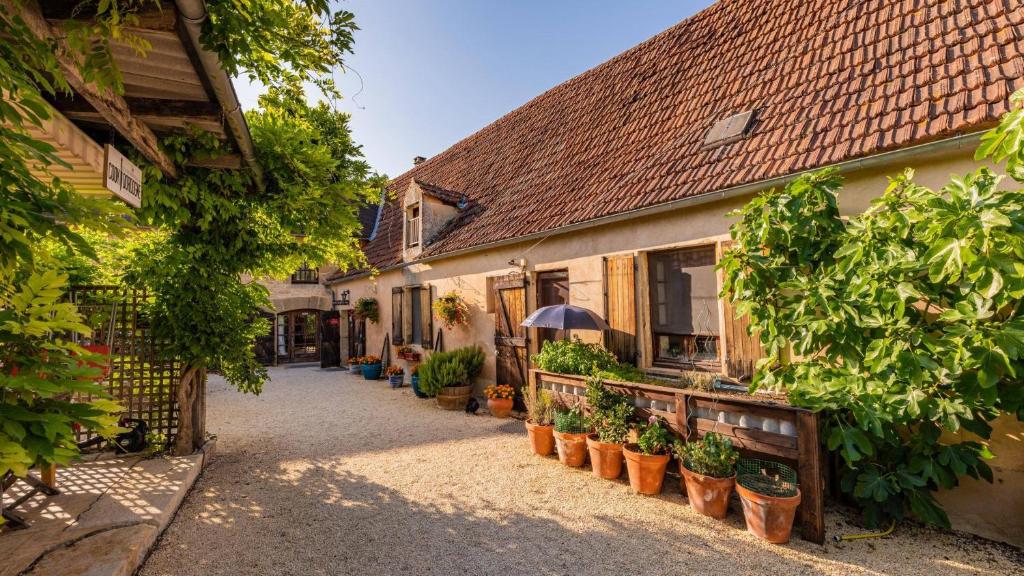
552,289
620,306
510,338
330,339
298,336
742,347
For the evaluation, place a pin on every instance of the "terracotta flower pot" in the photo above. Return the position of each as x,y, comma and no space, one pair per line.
542,439
572,448
708,495
646,472
499,407
769,517
605,458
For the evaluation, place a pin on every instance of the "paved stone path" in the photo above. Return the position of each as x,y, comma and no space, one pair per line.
325,473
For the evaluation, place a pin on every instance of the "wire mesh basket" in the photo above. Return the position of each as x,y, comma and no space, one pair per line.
766,477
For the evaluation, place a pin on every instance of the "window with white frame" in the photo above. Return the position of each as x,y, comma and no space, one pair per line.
412,225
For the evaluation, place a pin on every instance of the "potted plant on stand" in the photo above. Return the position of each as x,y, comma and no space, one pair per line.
499,399
407,353
570,434
452,310
371,367
770,496
355,365
610,415
647,459
540,411
708,469
414,382
396,376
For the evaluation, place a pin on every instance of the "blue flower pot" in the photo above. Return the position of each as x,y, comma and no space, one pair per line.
372,371
416,387
396,380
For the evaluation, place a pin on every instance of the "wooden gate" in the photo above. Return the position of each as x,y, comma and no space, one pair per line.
511,340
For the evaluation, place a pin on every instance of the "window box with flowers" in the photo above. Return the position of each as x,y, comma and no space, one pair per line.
452,310
499,399
407,353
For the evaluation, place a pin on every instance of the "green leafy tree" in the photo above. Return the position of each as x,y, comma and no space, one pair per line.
899,325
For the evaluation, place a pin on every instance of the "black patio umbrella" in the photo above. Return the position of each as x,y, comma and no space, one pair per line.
565,317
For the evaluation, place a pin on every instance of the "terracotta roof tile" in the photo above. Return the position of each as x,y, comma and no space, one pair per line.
831,79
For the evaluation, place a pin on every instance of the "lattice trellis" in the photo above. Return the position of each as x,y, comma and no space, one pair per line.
141,379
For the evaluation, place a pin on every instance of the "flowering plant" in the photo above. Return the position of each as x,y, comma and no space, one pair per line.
499,391
655,437
354,360
452,310
371,359
394,371
405,350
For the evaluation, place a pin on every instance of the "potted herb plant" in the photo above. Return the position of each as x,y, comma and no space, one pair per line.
708,469
371,367
570,434
499,399
647,459
610,415
769,494
414,381
452,310
396,376
540,412
367,309
355,365
449,375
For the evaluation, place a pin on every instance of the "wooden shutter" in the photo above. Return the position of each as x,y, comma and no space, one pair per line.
742,349
426,317
396,316
620,306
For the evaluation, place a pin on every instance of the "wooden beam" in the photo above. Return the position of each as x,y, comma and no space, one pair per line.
108,103
225,162
159,114
151,17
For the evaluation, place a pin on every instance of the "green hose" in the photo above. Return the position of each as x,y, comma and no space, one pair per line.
848,537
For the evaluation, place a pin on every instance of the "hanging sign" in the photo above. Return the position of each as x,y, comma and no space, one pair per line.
122,177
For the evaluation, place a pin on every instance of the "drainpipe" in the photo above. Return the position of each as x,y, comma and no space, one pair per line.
193,14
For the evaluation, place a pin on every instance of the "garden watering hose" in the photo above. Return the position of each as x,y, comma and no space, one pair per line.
848,537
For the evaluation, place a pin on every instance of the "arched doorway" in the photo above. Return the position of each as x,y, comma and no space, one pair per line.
298,336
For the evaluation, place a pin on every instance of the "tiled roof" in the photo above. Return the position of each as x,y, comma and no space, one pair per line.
446,196
831,80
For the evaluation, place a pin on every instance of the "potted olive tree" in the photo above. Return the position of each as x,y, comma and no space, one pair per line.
540,413
708,469
610,416
647,459
570,434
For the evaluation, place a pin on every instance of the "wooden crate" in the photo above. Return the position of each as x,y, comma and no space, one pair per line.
687,413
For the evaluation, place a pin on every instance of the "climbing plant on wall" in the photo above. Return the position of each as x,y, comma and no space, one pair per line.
902,325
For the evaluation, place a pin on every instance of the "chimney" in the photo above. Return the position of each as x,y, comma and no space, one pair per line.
418,160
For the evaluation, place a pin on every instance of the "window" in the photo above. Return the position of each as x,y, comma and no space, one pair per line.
684,307
412,226
416,312
306,275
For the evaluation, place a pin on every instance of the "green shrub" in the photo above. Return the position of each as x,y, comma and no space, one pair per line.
573,357
655,437
455,368
712,456
610,412
622,373
571,421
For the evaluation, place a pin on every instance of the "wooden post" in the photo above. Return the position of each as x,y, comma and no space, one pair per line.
682,417
810,476
48,475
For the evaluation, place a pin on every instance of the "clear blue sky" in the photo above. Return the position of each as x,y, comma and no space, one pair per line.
436,71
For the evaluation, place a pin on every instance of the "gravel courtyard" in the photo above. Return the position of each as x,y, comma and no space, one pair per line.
325,473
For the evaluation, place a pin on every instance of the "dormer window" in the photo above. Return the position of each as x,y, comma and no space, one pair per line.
412,226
